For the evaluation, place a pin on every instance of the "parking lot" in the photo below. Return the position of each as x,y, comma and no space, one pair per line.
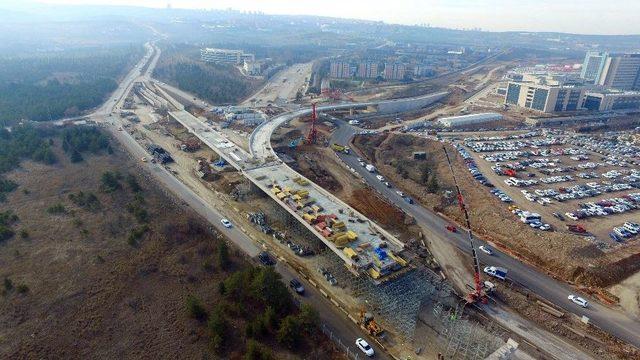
554,181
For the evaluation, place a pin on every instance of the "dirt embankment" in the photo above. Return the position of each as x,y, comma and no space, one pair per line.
566,256
82,289
569,326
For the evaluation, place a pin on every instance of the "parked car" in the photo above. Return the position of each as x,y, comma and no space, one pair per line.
408,200
400,193
265,259
296,286
578,300
226,223
387,184
363,345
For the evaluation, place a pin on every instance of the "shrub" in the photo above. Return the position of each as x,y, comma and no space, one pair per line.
256,351
195,308
22,289
24,233
6,233
140,213
133,183
308,318
217,326
84,200
223,256
136,234
8,284
57,209
111,181
289,333
432,185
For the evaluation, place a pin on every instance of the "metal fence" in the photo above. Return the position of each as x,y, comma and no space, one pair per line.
341,346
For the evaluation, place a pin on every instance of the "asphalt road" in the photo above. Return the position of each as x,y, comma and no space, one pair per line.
610,320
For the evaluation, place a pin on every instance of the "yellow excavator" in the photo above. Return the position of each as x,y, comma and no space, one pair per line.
369,324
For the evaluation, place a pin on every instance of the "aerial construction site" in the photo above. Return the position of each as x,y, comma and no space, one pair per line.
394,219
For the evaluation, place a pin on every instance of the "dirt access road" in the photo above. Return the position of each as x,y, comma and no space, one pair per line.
283,86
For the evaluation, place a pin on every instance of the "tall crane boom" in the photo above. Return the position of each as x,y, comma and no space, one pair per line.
478,294
313,132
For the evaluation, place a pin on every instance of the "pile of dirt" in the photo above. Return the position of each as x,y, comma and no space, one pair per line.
308,164
374,207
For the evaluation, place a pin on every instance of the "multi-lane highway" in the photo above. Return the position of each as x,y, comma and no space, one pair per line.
610,320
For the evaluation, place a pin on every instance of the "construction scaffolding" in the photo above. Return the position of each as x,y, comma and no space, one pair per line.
396,302
463,338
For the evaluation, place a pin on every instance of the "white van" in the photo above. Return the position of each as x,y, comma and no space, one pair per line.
529,217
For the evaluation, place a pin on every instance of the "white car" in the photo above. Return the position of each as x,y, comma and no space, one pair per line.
578,300
400,193
226,223
379,177
363,345
485,249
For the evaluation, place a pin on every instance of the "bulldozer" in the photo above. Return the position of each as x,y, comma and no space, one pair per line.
368,324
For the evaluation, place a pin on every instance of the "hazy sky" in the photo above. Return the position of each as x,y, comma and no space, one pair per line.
577,16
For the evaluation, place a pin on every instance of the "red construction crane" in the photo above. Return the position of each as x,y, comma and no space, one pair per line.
478,295
313,133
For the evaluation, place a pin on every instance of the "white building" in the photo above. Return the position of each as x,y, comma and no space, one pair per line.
225,56
471,119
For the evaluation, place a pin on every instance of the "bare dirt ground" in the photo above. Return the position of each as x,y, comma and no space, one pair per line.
90,293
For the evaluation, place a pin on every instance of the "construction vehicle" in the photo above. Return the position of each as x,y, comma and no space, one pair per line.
295,142
479,293
368,324
340,148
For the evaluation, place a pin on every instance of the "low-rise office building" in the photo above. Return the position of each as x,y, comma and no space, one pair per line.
611,100
225,56
545,98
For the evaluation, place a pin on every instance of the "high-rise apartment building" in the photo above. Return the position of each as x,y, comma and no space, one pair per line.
340,70
394,71
367,70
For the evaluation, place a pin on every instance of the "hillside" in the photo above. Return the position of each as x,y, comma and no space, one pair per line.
101,263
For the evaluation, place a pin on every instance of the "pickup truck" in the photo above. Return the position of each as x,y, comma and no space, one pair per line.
496,272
